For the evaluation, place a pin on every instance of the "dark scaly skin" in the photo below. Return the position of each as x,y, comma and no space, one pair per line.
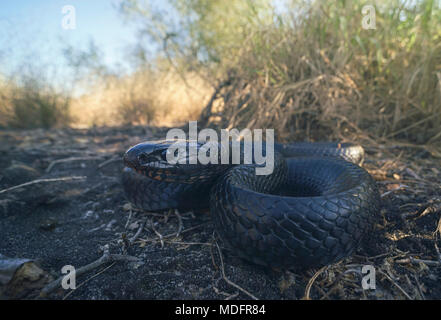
347,151
313,210
323,223
152,187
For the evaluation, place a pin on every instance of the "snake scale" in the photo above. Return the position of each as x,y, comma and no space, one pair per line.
313,210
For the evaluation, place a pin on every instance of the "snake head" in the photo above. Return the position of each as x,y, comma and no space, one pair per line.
172,161
157,154
145,154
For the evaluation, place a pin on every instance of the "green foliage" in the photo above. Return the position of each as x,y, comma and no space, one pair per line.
198,33
218,29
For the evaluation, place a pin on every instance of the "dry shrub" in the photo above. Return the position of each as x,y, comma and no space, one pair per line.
162,98
137,111
32,103
320,75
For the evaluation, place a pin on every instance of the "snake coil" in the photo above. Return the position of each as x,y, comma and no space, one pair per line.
314,209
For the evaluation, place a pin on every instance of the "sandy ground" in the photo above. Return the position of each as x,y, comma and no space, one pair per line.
73,221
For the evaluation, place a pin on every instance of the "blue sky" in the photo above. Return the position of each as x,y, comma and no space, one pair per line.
31,32
32,29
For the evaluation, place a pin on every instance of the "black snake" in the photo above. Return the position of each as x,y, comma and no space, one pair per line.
314,209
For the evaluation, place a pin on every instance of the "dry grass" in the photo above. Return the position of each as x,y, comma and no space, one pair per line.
315,74
32,103
321,75
162,99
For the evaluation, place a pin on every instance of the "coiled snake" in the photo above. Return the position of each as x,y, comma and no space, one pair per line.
313,210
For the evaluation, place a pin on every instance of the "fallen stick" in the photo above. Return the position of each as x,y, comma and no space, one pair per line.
53,163
84,282
42,181
311,282
141,227
231,283
396,285
111,160
400,187
106,257
418,261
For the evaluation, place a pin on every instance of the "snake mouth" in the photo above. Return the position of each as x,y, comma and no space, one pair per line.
145,155
152,160
164,155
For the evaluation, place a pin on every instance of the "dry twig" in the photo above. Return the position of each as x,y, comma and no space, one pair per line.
43,181
105,258
110,161
231,283
396,285
311,282
53,163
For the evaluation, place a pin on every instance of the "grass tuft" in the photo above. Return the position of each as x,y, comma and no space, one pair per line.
32,103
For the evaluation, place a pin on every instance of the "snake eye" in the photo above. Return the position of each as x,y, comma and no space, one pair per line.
167,152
